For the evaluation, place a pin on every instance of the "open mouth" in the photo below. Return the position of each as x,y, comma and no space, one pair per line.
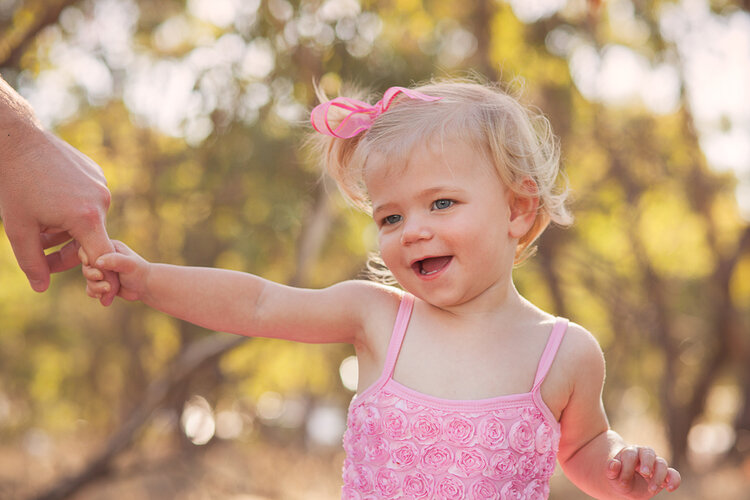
431,265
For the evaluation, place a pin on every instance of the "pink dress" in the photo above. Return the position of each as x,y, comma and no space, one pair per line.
401,443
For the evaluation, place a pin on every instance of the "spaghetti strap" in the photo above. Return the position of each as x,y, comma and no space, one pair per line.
548,356
397,337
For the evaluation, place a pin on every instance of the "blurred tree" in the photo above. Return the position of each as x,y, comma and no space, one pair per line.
193,110
27,21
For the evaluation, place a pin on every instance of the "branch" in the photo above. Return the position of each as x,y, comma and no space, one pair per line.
481,20
18,38
316,227
195,357
548,253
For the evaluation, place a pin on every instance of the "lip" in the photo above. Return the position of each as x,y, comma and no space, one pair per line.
417,267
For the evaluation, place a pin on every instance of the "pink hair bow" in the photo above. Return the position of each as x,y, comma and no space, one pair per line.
360,114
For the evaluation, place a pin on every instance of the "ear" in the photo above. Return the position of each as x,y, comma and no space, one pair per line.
523,208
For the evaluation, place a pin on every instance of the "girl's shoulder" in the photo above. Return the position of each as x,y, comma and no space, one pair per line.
377,306
580,357
370,295
578,344
374,303
578,369
582,346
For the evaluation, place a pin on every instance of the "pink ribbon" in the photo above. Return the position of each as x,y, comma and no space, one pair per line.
360,114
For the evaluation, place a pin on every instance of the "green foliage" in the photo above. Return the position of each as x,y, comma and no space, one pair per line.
650,214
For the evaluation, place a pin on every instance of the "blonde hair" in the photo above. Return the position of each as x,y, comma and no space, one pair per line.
517,140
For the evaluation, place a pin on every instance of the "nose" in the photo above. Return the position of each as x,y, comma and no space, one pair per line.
414,230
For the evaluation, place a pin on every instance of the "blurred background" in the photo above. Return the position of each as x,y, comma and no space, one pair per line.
196,110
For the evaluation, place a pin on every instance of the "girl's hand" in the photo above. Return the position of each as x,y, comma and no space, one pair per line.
131,267
634,462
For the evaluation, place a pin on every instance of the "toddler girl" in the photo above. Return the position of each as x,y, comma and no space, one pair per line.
466,390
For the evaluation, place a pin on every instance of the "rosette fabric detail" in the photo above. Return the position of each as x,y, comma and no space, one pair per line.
401,443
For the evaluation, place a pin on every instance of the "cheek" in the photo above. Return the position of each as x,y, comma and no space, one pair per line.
386,246
466,231
390,250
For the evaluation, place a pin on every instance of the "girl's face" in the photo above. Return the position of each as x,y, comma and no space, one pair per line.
445,224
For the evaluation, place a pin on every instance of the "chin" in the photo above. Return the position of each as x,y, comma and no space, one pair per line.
440,298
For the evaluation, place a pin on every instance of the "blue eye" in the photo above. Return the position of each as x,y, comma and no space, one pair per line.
391,219
442,204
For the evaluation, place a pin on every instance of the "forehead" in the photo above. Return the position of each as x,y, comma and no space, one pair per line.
450,158
453,170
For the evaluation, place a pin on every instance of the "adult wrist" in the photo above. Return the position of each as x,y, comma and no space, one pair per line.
15,111
18,125
17,141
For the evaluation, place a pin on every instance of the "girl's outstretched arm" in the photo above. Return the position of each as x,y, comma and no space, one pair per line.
237,302
593,456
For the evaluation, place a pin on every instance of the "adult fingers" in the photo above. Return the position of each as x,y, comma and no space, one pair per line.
27,247
82,255
65,258
88,229
53,239
95,242
92,169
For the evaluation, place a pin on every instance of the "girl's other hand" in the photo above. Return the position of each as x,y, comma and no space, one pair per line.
131,268
635,462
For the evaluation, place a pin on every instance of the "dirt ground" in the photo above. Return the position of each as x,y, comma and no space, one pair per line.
257,471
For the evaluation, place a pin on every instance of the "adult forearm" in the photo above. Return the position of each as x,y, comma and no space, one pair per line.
15,111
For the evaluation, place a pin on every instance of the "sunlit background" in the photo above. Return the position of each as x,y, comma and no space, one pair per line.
709,55
197,111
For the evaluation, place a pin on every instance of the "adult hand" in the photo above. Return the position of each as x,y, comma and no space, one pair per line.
50,193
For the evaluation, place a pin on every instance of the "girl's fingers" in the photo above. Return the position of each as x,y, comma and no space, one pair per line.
673,479
116,262
644,462
109,261
647,459
92,273
92,293
659,476
122,248
613,468
98,288
629,459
